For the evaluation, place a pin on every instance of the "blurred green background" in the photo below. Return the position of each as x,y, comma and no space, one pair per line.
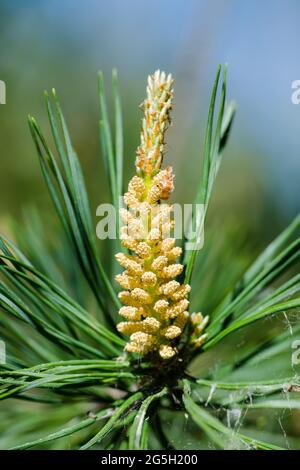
62,44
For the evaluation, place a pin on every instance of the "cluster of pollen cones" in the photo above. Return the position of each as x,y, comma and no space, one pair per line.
156,305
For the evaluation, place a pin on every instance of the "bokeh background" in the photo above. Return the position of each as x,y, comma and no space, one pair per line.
62,44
